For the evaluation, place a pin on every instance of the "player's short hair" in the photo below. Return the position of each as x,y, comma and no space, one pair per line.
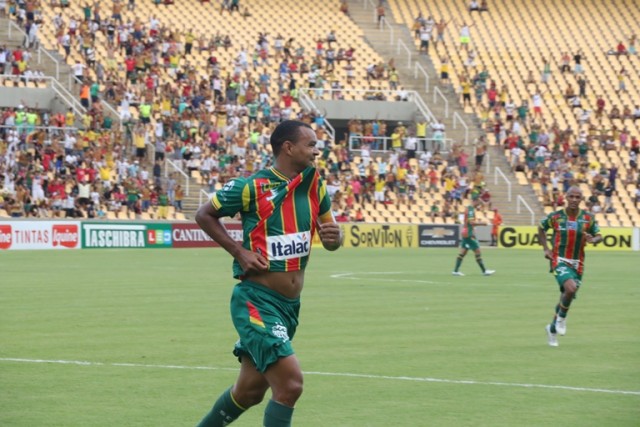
286,131
574,188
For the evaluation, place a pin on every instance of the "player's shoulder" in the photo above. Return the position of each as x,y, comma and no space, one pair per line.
557,213
237,183
587,215
552,217
268,173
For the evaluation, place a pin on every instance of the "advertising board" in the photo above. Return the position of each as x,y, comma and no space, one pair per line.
126,235
16,235
190,235
380,236
526,237
438,236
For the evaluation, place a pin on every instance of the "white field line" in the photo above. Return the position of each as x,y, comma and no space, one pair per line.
354,276
357,276
333,374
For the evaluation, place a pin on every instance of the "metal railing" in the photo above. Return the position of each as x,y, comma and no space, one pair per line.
406,49
382,144
178,169
68,97
424,109
438,93
46,53
498,172
307,102
384,23
48,128
114,113
12,26
417,67
366,3
203,195
457,118
520,200
54,85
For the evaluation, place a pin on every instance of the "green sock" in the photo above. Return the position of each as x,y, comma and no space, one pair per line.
552,325
563,307
480,263
458,263
277,415
223,413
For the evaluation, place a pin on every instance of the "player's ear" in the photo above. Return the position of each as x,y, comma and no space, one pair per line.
287,146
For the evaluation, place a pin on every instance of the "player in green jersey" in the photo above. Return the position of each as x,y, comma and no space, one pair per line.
572,229
281,208
469,241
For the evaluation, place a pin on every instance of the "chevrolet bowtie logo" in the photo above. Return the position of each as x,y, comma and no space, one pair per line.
437,233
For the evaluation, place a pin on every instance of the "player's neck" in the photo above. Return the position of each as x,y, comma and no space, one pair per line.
572,212
286,171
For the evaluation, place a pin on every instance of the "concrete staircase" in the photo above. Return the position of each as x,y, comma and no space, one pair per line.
380,41
12,37
378,37
54,65
191,203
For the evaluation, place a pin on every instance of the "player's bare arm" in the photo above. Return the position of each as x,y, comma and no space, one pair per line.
330,235
542,237
593,239
208,219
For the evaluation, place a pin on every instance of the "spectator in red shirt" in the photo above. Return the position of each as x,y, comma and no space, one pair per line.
600,104
287,99
621,49
130,65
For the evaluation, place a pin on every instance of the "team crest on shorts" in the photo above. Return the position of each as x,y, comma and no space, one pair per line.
280,331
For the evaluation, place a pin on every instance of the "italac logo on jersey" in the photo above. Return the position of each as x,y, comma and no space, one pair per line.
289,246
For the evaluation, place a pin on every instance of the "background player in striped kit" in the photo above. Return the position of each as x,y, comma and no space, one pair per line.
469,241
281,208
572,229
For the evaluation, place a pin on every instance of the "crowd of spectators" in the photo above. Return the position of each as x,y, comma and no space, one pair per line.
551,156
212,125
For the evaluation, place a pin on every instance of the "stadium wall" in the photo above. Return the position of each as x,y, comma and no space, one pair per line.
44,98
69,235
368,110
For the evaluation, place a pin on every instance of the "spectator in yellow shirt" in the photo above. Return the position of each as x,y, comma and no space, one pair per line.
70,118
396,139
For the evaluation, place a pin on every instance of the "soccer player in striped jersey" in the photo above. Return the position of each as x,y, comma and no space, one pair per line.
572,229
281,209
469,240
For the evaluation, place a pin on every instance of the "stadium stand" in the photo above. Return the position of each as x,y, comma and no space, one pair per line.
111,71
516,52
203,86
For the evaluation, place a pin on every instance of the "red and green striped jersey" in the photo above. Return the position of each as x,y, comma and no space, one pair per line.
568,238
279,215
469,220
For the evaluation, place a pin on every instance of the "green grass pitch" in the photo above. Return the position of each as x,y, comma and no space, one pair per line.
387,338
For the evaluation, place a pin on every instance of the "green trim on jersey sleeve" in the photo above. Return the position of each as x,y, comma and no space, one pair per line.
325,200
231,199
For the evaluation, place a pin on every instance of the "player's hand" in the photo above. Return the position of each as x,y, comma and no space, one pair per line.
252,261
588,237
330,234
548,254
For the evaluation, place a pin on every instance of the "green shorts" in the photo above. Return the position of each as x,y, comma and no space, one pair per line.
469,243
564,272
266,323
